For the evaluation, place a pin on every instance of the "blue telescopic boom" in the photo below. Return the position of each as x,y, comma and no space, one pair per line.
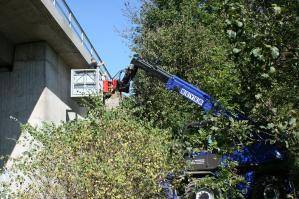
174,83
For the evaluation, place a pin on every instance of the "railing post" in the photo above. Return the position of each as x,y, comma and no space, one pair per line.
67,13
70,19
82,38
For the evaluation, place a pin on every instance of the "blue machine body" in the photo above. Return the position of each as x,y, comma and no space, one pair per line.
251,156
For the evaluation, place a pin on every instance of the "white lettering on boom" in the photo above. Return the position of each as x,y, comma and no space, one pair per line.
192,97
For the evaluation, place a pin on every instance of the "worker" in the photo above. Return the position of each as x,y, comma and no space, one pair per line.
93,63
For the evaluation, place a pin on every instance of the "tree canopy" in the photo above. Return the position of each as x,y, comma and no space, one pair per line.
244,53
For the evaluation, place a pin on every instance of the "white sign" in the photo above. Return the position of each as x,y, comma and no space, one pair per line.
192,97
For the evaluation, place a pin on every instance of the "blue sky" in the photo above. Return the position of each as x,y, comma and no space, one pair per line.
102,20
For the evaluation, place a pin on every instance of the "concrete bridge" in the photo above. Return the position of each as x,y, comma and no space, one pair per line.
40,41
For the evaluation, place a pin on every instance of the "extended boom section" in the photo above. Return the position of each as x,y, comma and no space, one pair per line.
190,92
174,83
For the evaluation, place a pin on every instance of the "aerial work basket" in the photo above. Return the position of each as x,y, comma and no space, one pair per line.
86,82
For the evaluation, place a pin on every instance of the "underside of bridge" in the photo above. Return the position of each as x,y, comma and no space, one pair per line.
27,21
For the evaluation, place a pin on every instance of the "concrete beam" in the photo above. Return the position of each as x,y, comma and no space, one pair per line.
27,21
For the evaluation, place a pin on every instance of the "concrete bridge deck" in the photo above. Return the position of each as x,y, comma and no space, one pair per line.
27,21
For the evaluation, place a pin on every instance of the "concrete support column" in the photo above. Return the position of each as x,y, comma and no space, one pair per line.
37,90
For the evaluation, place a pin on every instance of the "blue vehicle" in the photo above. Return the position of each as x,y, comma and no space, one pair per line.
262,164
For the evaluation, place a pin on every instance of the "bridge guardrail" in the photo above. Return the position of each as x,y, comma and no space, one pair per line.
65,10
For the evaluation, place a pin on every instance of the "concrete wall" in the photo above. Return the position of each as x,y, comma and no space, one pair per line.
37,90
6,53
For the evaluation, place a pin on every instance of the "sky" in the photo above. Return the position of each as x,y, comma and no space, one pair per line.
102,21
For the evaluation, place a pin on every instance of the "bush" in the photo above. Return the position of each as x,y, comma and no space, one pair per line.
107,155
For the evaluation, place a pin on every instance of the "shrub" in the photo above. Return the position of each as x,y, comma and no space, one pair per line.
107,155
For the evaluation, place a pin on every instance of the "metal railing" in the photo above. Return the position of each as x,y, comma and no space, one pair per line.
65,10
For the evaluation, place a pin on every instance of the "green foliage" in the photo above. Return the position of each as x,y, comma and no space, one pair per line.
174,34
107,155
244,53
210,137
224,183
268,62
